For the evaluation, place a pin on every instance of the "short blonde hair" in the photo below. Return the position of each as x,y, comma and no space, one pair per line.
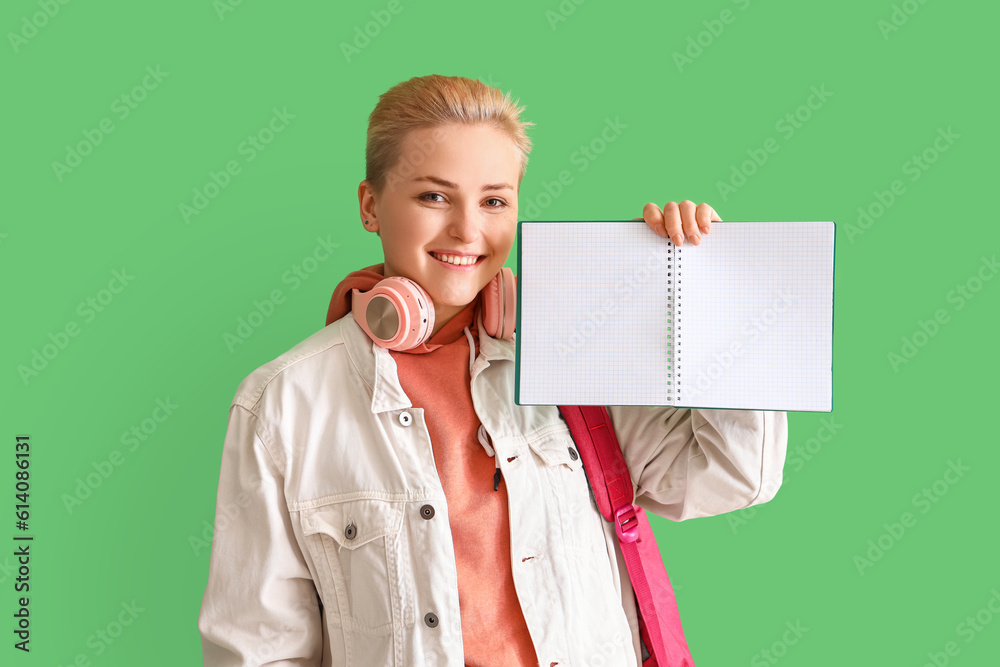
429,102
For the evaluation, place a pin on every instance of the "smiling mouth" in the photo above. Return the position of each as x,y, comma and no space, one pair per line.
456,260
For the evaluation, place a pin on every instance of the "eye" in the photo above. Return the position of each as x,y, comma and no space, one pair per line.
496,199
432,194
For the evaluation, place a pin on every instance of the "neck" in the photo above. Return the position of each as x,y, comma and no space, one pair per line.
443,315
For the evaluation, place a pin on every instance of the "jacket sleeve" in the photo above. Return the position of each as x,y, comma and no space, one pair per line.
688,463
260,605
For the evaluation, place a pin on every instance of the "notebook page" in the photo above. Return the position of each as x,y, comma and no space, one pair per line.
591,294
756,317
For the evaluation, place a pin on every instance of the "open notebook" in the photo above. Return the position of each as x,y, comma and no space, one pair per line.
610,313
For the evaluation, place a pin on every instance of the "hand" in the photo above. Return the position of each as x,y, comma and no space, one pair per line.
680,221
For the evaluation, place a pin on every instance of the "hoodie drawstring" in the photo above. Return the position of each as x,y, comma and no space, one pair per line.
484,440
484,437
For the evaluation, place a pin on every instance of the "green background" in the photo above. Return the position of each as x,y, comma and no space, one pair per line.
741,578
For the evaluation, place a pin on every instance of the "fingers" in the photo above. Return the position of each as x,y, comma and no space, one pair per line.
672,222
689,222
704,216
680,221
653,216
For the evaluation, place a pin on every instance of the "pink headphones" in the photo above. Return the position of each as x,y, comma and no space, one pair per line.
398,314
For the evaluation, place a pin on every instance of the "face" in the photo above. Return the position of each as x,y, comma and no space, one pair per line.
448,212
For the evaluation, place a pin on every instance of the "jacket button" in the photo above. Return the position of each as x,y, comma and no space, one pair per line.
427,511
351,531
431,619
572,453
405,418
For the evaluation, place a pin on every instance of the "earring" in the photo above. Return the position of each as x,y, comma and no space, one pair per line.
366,222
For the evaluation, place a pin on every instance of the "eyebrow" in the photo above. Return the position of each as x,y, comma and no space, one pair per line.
454,186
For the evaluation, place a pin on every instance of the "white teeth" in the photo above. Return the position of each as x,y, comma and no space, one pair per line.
453,259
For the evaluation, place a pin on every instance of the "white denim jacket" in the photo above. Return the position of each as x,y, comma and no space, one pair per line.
332,542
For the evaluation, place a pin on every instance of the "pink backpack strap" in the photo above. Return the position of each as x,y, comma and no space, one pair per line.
659,619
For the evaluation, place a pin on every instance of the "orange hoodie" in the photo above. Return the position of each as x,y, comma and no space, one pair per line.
493,627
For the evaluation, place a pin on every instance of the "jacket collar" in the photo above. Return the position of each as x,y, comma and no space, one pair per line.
378,369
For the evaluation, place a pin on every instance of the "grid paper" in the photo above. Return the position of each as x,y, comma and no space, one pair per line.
595,303
585,288
756,317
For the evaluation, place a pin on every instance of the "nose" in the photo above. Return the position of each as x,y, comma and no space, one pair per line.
463,224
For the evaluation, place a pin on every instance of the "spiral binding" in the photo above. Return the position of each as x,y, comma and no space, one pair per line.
675,386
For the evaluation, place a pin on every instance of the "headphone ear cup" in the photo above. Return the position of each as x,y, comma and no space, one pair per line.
397,314
500,305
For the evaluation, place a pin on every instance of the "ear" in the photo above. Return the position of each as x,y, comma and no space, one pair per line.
366,202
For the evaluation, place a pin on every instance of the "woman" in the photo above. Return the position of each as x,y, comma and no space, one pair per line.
394,507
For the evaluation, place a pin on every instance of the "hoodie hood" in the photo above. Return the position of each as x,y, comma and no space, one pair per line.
363,280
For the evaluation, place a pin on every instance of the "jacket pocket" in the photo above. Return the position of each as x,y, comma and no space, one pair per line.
561,466
558,456
357,545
